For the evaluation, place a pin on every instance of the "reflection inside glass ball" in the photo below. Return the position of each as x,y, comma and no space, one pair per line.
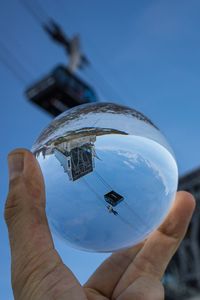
110,176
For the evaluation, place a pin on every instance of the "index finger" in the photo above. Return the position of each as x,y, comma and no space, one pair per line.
159,248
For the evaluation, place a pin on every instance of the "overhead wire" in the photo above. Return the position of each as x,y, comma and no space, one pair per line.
111,70
99,197
101,79
110,187
19,78
11,61
40,9
92,189
124,201
35,9
103,180
9,58
102,94
31,66
106,82
40,15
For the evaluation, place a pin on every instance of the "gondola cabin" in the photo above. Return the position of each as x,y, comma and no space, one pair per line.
59,91
113,198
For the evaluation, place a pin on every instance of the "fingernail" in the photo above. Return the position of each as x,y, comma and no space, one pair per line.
15,164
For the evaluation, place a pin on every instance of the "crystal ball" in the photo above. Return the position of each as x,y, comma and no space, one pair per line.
110,176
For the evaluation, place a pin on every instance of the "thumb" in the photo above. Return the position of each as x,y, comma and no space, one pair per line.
25,206
35,263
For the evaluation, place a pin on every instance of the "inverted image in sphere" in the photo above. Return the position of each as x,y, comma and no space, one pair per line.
110,176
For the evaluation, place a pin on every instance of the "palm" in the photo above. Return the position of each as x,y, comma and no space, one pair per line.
119,276
122,276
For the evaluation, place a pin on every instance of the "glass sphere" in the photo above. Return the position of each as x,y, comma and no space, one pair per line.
110,176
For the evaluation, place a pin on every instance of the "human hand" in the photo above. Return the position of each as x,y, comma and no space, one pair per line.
38,272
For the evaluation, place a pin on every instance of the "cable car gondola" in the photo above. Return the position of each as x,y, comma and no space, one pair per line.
59,91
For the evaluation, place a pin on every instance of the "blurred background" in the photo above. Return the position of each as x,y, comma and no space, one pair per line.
144,54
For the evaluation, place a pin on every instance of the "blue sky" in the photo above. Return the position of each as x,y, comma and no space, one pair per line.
147,50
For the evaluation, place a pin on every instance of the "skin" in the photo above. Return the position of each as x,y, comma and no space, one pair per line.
38,272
